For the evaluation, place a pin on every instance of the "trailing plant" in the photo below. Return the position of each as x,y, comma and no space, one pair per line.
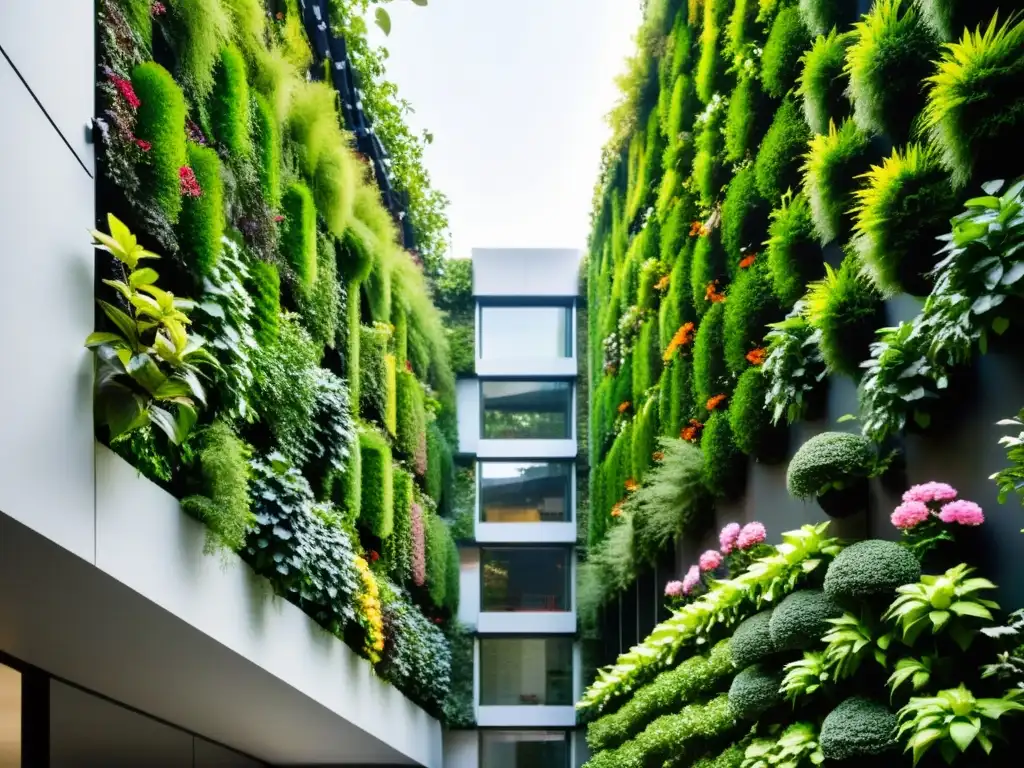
223,503
858,728
229,104
832,164
202,28
793,368
822,83
780,62
777,167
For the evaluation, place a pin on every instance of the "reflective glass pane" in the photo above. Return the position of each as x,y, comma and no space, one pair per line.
524,749
525,492
538,410
10,718
525,579
525,332
527,671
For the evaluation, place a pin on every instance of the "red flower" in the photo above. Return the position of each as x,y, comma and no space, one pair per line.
157,9
189,184
714,401
144,145
279,219
124,87
408,366
756,356
747,260
691,433
374,557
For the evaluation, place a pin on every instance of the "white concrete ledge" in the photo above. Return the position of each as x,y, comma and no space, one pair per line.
535,368
526,623
525,533
525,450
525,717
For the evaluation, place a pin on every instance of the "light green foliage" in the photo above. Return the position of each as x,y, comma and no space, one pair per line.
1010,479
440,469
751,306
822,83
298,233
845,308
780,62
711,64
160,120
725,467
801,619
709,266
731,757
438,546
265,286
750,419
682,110
794,367
792,251
822,15
754,691
697,676
870,568
805,676
752,640
747,118
744,218
374,377
267,140
139,15
202,28
646,359
201,225
223,503
645,432
412,418
743,29
708,169
777,167
376,511
891,54
710,374
833,162
975,101
398,546
829,461
795,746
320,305
229,104
904,205
858,727
248,26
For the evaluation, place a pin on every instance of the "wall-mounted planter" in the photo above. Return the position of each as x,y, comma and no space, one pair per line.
846,502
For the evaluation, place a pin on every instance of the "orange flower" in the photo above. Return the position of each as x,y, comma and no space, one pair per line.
695,228
658,455
714,401
617,510
631,485
683,337
711,293
756,356
623,407
662,285
747,260
691,433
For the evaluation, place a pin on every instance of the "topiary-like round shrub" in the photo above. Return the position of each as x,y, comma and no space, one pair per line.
751,420
744,218
160,120
822,15
725,466
801,619
754,691
777,167
858,727
229,104
822,83
829,461
792,251
750,308
752,640
870,568
780,62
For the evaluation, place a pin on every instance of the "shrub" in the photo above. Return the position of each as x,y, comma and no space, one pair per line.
645,433
646,360
754,691
677,408
858,727
845,308
780,62
750,419
822,15
320,305
709,267
223,503
752,641
777,167
708,170
375,377
800,620
724,465
412,417
822,82
827,461
160,120
298,233
710,374
451,576
744,218
975,101
334,431
229,104
265,286
730,757
711,64
833,163
750,308
267,139
201,224
440,469
891,54
792,251
747,118
376,513
202,29
438,543
872,568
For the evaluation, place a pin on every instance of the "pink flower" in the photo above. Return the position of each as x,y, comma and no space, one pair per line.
144,145
419,550
910,514
710,560
727,538
674,589
124,87
926,492
691,579
962,512
751,535
157,9
189,184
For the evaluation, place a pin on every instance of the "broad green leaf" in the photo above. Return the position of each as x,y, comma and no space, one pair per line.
124,323
144,370
383,20
965,608
144,276
962,733
97,338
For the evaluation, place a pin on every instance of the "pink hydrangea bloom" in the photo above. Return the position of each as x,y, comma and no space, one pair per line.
926,492
727,538
910,514
751,535
674,589
710,560
962,512
691,579
419,547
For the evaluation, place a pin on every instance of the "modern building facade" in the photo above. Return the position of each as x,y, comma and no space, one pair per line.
517,424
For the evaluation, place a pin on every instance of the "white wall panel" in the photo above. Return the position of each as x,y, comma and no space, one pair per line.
525,272
469,585
461,749
467,398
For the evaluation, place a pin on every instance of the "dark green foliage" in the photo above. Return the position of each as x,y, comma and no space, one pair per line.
160,120
334,430
682,110
780,62
673,233
646,360
645,433
754,691
827,461
375,383
800,620
267,140
872,568
751,420
462,345
832,168
744,218
750,308
823,82
709,173
224,500
777,168
451,576
725,467
440,469
792,251
376,512
398,546
412,416
822,15
671,309
229,104
731,757
458,706
746,120
858,728
201,225
265,287
752,640
709,266
710,374
298,233
678,399
320,305
845,308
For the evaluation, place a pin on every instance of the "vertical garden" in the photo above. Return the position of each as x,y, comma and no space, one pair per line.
806,263
268,348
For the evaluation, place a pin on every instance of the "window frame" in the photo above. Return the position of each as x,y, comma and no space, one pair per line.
570,465
571,413
567,303
565,549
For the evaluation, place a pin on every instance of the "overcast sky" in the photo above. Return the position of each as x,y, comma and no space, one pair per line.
515,93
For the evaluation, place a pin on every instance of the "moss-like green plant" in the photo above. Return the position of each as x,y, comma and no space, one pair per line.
822,15
891,54
752,641
160,120
904,205
708,169
975,101
822,84
412,416
833,162
224,502
202,29
337,190
709,265
780,62
229,104
645,436
754,691
828,461
376,513
777,167
845,308
744,218
398,546
751,420
374,375
267,140
743,29
792,251
751,306
320,305
265,287
710,374
298,233
201,225
139,14
725,466
872,568
248,26
676,400
800,620
710,74
682,110
858,728
747,118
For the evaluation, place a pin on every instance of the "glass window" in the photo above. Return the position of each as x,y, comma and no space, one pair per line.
539,410
525,579
525,332
525,492
531,671
524,749
10,718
